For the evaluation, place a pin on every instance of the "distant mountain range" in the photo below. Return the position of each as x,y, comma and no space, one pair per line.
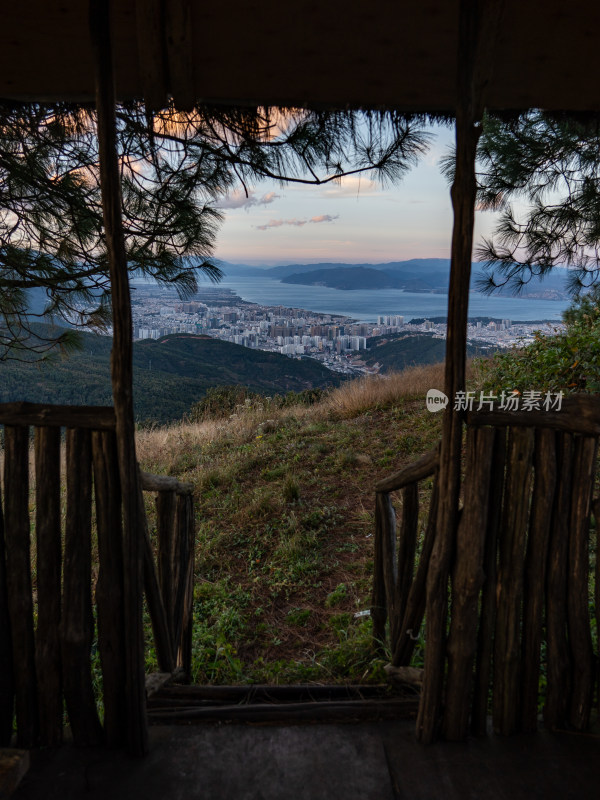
415,275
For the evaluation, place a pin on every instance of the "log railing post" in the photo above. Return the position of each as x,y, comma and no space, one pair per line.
7,687
122,375
478,24
109,588
77,624
18,573
49,570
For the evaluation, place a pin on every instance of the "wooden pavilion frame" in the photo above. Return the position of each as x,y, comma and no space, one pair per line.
467,40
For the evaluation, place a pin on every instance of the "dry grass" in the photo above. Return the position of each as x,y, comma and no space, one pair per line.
376,391
162,449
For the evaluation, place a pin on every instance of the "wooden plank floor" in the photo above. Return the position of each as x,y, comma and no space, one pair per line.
378,761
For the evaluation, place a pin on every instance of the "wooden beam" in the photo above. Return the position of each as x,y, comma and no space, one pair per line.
122,377
99,418
290,713
179,28
164,483
149,20
579,413
422,468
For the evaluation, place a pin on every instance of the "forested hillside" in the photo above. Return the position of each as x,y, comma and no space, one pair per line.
170,374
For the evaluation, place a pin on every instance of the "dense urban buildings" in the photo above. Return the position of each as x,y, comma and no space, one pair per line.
334,340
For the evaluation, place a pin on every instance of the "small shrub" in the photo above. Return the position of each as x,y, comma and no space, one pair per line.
298,617
291,490
337,596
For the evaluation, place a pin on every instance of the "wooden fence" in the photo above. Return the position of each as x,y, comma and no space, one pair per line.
519,600
56,612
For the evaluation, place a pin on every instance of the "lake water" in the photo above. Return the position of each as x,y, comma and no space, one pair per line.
366,305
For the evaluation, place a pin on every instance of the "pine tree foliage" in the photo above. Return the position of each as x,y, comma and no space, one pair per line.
174,168
548,165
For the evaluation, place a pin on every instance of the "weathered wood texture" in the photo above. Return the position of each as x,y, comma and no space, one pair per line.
507,649
558,672
579,413
184,597
467,580
170,590
109,587
415,605
18,573
55,662
165,531
122,365
596,509
578,606
520,582
535,573
92,417
7,689
290,713
478,27
49,571
487,623
422,468
77,625
156,609
164,483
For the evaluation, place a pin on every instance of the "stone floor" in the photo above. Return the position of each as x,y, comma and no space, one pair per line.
378,761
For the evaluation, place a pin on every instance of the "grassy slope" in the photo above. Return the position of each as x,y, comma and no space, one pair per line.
285,526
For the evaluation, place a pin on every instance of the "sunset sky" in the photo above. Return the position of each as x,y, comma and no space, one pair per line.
355,222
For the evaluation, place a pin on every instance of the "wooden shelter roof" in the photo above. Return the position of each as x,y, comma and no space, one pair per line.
381,53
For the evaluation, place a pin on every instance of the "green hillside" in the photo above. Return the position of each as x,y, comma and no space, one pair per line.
396,354
170,374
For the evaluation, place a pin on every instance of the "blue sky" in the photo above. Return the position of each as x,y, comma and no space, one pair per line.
358,221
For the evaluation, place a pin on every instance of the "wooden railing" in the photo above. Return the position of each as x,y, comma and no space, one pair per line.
398,595
55,612
520,584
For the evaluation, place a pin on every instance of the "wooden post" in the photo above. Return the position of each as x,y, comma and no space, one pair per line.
596,509
49,569
109,588
122,376
485,642
77,624
535,573
467,581
415,603
163,639
166,535
578,608
557,648
507,643
478,23
7,687
185,652
407,545
379,600
18,572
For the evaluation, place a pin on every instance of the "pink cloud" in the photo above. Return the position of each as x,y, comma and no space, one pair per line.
238,199
298,223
